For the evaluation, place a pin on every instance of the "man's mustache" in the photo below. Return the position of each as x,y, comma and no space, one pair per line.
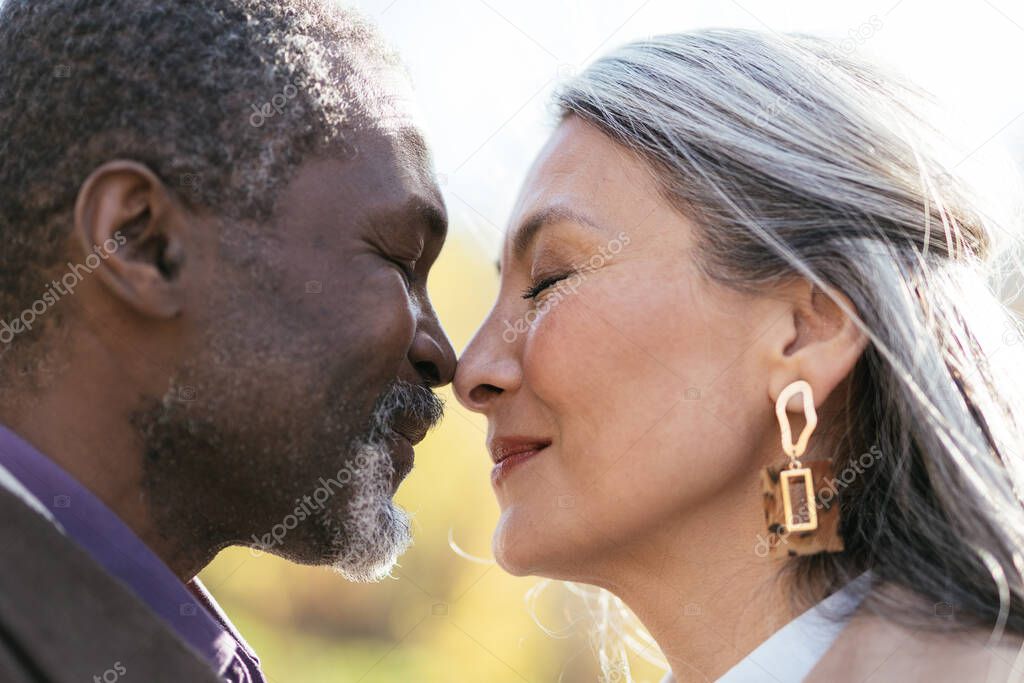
406,409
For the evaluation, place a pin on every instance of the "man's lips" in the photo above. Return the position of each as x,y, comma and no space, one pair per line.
407,431
402,459
411,428
508,452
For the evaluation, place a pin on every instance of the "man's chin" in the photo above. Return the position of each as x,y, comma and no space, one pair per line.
369,554
354,527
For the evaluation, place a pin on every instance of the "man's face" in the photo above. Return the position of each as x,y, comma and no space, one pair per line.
292,423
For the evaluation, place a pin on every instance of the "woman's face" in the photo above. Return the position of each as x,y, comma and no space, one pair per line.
624,393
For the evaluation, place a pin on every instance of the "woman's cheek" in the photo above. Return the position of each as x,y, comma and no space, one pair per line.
565,346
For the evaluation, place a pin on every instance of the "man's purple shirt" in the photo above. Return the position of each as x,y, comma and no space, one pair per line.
188,609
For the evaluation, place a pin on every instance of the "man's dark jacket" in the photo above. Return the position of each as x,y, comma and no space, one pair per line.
63,619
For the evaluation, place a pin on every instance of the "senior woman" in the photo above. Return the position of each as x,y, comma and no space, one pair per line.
760,388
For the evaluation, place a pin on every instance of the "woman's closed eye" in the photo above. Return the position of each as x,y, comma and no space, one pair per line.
538,288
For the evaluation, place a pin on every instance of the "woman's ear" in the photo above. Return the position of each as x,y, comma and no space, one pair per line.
128,221
822,343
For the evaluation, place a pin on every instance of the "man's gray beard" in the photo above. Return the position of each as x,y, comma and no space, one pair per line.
375,531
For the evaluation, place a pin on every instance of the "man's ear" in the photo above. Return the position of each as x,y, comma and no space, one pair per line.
821,344
126,216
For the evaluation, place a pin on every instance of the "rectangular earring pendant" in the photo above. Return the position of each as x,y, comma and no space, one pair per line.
788,509
798,505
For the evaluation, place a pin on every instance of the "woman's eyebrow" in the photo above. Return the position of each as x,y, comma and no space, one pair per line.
530,226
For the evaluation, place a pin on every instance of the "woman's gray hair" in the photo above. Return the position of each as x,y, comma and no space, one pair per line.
795,159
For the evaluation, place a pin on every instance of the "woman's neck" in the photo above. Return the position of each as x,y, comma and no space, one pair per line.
705,592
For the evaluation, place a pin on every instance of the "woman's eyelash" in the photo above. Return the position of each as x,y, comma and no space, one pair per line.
534,291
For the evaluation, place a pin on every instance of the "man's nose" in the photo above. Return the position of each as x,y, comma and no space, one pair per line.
432,354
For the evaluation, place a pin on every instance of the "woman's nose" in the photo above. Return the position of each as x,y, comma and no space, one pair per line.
488,368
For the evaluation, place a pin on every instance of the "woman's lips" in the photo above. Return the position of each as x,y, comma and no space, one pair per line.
508,454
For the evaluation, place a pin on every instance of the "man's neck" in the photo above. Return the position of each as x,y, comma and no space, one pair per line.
100,450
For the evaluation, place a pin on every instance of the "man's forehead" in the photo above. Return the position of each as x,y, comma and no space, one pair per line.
392,168
386,130
386,99
412,145
389,109
406,157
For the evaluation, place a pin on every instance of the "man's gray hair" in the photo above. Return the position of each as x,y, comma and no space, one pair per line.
220,98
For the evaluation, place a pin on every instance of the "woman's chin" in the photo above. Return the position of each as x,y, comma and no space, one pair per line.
513,566
525,548
512,553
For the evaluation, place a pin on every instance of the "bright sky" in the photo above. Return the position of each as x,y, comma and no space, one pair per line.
484,69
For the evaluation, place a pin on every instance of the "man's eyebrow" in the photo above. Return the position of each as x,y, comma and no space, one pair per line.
431,213
530,226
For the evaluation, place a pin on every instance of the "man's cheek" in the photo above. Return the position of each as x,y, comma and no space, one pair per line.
389,324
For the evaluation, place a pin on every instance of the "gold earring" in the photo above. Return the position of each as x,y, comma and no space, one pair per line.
800,518
797,481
